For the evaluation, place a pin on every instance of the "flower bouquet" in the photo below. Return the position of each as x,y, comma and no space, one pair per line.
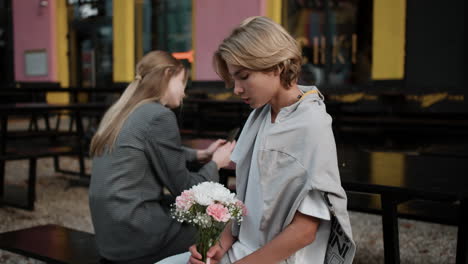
209,206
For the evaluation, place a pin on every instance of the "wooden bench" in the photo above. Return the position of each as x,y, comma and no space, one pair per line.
52,244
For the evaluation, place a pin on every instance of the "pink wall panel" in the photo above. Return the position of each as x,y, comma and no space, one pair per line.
214,20
34,29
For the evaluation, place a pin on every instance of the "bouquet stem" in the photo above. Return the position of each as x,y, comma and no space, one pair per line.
205,241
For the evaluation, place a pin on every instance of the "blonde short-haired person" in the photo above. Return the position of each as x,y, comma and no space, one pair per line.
286,163
136,153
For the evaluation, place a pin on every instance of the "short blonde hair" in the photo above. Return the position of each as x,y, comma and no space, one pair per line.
259,44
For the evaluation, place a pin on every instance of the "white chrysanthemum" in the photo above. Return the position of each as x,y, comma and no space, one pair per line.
222,195
202,198
206,193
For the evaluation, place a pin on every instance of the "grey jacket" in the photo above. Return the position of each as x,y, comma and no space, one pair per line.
126,190
297,155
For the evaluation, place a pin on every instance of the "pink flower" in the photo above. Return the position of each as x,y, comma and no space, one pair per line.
218,212
185,200
242,206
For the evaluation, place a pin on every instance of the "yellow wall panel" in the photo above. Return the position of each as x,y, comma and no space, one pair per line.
123,23
194,35
273,10
63,76
139,29
388,167
388,47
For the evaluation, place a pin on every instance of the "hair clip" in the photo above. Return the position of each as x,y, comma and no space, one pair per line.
138,77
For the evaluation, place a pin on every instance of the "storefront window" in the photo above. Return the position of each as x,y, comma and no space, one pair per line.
91,42
164,25
335,37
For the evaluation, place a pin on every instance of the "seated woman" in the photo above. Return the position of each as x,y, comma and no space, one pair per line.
286,164
136,153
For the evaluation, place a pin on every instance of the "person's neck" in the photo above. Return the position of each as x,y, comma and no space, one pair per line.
284,97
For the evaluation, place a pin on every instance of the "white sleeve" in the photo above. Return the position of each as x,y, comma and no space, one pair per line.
314,205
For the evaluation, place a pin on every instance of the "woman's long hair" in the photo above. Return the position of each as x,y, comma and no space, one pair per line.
153,73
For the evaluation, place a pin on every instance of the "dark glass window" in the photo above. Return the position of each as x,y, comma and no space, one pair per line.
6,43
91,42
163,25
335,36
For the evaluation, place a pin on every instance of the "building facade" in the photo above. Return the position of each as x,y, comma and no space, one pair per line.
348,45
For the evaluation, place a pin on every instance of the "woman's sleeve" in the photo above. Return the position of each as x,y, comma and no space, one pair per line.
168,158
190,154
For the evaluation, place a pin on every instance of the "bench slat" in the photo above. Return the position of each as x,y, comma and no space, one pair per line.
52,244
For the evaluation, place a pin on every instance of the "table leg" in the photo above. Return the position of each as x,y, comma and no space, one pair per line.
80,141
47,121
4,129
57,122
70,125
32,183
390,229
2,177
462,240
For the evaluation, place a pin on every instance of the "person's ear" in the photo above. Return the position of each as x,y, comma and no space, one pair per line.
279,69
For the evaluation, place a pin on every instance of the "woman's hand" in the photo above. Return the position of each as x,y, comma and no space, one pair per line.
205,155
222,156
215,254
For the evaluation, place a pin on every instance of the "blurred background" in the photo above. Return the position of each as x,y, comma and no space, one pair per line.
393,73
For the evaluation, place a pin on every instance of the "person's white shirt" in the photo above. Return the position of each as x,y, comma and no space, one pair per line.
250,238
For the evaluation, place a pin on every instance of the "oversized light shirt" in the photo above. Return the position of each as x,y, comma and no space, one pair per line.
250,238
297,156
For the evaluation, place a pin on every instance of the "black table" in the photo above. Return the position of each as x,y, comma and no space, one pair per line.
399,176
37,94
205,117
30,109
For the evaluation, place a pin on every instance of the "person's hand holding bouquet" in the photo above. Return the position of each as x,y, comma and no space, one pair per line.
213,256
209,206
